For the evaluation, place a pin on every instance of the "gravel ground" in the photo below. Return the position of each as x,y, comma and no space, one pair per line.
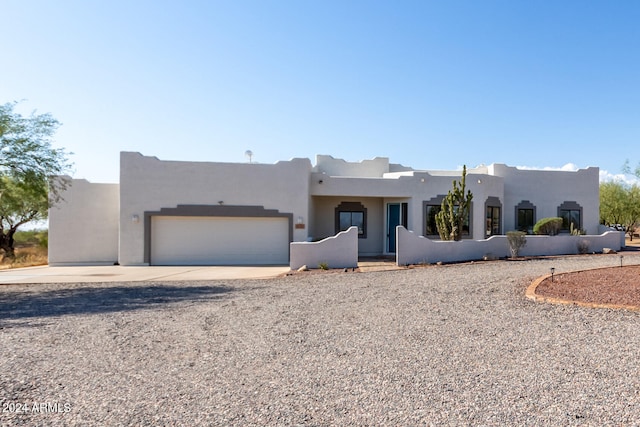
440,345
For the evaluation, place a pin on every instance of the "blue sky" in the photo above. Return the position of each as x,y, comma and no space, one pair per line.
429,84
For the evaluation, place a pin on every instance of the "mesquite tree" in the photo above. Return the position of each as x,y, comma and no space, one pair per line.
620,204
20,203
27,162
454,210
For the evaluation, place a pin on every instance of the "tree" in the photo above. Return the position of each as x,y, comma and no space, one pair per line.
21,202
454,210
627,169
620,204
613,202
27,161
632,218
26,153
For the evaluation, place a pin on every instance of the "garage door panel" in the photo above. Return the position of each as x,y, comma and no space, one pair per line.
219,240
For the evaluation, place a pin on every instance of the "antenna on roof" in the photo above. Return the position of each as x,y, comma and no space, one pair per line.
249,154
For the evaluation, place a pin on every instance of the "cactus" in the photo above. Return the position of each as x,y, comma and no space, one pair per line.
576,231
454,210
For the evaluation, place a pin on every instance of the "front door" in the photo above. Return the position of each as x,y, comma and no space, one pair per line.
396,215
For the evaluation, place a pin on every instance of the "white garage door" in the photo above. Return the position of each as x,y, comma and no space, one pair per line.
179,240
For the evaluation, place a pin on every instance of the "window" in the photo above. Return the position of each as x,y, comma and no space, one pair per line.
525,216
525,220
493,221
570,217
349,214
431,228
431,209
571,214
493,209
349,219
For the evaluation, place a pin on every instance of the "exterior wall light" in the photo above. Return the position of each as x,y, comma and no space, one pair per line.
135,219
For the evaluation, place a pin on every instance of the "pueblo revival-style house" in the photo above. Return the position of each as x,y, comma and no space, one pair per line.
210,213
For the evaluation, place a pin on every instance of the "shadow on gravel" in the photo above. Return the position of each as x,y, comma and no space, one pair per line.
92,300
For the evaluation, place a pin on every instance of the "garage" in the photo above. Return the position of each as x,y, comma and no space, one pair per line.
206,240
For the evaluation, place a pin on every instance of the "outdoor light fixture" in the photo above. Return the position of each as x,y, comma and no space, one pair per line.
135,219
552,271
300,220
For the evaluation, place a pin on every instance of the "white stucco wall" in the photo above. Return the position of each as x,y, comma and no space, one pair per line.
415,249
323,225
482,187
411,187
331,166
547,190
83,228
339,251
603,229
309,193
149,184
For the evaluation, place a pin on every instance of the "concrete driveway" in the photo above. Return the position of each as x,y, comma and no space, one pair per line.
46,274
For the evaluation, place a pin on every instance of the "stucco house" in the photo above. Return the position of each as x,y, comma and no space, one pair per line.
208,213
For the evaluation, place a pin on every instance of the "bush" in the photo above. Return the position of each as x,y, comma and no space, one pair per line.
583,246
323,266
31,238
549,226
517,240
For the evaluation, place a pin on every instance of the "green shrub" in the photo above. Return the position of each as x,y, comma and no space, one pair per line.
323,266
549,226
31,238
517,240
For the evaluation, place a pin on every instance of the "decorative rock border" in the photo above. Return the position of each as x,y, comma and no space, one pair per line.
532,295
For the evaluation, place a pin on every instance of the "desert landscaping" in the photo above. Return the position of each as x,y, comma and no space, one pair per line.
233,213
438,345
609,287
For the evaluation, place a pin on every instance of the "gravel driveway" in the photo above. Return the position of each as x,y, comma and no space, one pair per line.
440,345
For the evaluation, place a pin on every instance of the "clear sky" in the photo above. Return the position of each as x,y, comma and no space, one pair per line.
429,84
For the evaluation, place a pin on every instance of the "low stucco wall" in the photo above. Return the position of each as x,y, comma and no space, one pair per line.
339,251
415,249
566,245
603,229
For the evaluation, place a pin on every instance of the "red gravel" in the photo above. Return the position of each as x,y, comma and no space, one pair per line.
615,285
